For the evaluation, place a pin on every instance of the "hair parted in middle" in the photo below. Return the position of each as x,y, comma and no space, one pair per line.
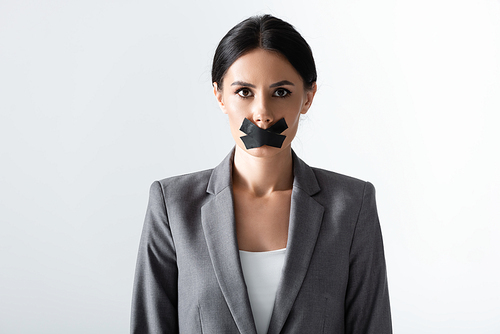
269,33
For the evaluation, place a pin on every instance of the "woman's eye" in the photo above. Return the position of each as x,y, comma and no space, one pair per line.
282,92
244,92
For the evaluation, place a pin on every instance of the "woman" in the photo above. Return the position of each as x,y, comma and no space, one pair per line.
262,243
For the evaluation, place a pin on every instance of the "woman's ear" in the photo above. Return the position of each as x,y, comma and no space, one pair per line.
218,96
309,98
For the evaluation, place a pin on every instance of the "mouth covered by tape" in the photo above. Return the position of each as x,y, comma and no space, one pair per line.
257,137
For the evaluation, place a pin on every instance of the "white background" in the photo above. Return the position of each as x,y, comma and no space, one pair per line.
100,98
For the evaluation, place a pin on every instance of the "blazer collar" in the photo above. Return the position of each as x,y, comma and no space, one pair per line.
219,227
221,177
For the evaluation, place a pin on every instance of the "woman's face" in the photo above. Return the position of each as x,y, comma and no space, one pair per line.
264,87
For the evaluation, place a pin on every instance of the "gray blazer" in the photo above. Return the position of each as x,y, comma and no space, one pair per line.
189,278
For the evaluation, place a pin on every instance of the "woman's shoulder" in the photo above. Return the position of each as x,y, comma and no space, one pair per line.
331,176
190,183
196,184
332,182
347,184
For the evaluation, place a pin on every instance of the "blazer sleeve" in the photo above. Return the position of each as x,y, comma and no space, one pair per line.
154,301
367,298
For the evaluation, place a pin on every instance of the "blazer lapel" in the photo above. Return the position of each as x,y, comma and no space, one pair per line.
306,216
217,218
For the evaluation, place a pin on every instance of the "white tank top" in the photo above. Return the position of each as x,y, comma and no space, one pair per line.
262,273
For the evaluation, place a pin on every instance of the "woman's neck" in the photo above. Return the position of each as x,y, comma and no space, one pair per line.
262,175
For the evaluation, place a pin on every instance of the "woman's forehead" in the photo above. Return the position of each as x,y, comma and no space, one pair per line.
261,66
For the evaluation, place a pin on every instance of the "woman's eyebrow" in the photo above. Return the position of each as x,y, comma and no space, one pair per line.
276,84
242,83
281,83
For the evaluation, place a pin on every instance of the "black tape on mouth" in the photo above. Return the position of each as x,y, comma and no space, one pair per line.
257,137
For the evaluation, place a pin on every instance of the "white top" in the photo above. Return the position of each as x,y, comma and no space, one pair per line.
262,273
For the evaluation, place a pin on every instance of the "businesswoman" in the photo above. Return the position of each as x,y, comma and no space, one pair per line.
262,243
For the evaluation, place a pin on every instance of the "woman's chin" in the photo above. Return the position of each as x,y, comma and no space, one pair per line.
264,151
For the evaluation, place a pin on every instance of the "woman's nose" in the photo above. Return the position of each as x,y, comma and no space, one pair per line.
262,114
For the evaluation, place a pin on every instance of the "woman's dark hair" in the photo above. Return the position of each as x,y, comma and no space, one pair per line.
269,33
